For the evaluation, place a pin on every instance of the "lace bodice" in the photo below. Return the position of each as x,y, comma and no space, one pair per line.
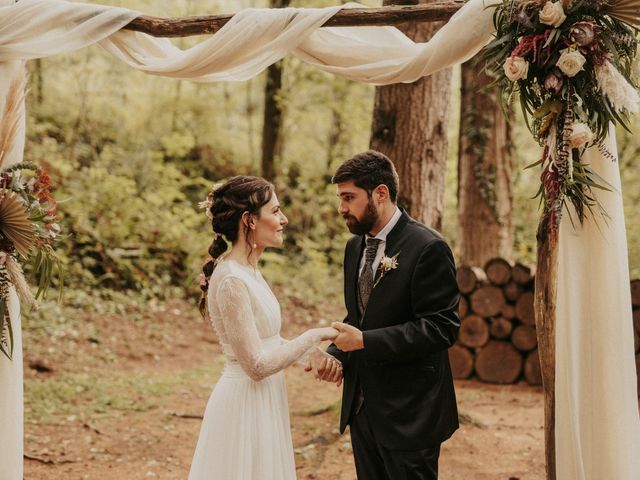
246,317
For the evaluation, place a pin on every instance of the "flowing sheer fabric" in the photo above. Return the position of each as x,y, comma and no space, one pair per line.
245,433
11,398
597,427
252,40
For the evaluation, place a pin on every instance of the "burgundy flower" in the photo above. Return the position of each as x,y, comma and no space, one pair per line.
524,19
583,33
553,83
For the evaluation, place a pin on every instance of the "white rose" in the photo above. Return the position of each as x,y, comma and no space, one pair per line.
580,135
571,62
552,14
516,68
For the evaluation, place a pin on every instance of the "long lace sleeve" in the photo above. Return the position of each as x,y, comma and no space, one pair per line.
234,303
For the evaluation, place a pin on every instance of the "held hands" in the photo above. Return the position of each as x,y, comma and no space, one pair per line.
349,339
326,333
325,367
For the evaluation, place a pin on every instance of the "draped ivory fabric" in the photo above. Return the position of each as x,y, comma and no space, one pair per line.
11,399
11,388
597,424
597,427
252,40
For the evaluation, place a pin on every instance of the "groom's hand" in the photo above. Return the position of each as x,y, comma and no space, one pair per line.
325,367
349,339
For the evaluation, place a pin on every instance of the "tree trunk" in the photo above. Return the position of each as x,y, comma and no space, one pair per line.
485,164
271,147
410,126
39,79
545,320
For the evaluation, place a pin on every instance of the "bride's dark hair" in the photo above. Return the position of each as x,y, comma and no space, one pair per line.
228,203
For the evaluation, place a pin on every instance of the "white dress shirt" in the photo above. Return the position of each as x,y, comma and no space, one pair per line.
382,235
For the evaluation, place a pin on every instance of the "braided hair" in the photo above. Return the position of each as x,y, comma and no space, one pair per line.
225,207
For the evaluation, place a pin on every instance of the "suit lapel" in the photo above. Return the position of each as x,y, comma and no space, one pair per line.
352,262
391,248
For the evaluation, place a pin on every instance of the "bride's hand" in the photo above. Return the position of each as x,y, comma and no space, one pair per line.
327,333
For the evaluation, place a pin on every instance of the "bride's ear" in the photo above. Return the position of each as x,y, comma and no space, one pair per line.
248,221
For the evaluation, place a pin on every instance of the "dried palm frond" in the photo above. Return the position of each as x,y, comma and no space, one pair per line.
627,11
14,222
12,113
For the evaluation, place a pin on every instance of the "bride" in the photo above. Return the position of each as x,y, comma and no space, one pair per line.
245,433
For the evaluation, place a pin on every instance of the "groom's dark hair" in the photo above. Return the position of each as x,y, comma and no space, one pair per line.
368,170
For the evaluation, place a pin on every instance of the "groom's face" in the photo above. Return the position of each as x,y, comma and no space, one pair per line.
357,208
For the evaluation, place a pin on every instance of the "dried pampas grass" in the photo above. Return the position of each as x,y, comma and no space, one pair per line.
12,113
16,277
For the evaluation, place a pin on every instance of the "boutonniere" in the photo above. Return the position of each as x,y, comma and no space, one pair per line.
386,265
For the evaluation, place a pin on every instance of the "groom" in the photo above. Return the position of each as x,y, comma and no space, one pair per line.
401,296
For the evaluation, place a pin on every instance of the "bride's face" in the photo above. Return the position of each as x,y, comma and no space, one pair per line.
269,227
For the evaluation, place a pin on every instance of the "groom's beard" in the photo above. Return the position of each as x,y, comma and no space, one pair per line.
366,223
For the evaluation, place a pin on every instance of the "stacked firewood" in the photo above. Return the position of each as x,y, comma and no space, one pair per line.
497,341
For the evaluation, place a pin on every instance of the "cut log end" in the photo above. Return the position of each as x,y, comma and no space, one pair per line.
474,331
532,373
469,278
524,309
463,307
487,301
522,274
461,360
498,271
498,362
501,328
524,338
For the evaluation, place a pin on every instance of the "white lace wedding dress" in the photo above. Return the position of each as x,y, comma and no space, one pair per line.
245,433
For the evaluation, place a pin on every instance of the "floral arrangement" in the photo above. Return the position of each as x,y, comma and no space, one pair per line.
29,230
571,64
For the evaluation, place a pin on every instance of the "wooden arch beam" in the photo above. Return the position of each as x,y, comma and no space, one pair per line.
348,17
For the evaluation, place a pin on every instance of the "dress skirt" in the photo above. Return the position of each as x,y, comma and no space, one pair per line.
245,433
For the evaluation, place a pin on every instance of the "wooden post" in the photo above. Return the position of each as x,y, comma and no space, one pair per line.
545,314
348,17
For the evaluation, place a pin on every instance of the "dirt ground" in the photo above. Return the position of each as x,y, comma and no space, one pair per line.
120,397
